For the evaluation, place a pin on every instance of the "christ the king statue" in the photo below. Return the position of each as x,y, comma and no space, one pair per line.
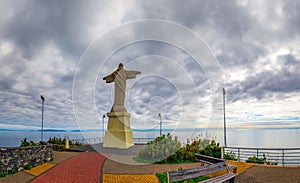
119,133
119,76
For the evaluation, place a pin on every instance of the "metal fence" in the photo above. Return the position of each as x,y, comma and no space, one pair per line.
280,156
100,140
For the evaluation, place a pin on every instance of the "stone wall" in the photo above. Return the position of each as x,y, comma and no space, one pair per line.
16,158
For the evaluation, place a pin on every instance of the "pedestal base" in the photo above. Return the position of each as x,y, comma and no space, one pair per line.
118,134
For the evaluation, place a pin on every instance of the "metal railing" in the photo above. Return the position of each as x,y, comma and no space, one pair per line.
100,140
280,156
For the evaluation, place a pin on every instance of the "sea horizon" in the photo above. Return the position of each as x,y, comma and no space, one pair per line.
236,137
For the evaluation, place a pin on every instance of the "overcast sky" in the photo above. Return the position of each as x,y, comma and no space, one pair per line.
45,48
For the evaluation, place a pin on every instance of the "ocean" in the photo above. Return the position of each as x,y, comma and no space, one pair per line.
261,138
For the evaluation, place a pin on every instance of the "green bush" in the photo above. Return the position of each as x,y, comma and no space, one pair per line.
254,159
2,175
12,171
158,149
25,143
57,147
230,156
60,141
165,149
27,167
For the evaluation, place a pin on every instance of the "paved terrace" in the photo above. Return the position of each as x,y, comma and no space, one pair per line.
115,165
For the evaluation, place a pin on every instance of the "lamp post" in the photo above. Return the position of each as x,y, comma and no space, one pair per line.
43,99
103,127
160,124
224,93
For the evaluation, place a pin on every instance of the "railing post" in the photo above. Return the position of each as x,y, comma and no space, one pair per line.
239,155
257,153
282,157
222,152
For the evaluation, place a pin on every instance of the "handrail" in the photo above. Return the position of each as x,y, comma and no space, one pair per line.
281,156
100,140
251,148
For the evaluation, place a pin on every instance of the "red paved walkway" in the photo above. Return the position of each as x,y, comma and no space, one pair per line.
85,167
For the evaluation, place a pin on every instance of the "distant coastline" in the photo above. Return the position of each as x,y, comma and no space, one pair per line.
136,130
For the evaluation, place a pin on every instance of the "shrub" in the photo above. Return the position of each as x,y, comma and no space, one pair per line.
165,149
60,141
27,167
230,156
57,147
158,149
12,171
254,159
25,143
2,175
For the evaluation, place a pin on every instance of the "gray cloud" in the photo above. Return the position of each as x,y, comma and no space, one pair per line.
42,41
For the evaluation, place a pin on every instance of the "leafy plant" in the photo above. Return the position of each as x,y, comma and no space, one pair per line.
254,159
165,149
230,156
60,141
12,171
158,149
25,143
27,167
162,177
2,175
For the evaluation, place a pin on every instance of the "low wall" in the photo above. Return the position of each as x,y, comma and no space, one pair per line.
16,158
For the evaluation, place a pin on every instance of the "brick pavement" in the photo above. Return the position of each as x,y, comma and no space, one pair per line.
265,174
85,167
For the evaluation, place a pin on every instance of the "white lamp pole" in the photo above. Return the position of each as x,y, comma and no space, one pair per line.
224,93
103,127
43,99
160,124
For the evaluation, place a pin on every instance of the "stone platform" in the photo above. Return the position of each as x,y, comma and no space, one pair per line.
118,134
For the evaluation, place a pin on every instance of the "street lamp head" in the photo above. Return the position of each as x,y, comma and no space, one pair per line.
42,98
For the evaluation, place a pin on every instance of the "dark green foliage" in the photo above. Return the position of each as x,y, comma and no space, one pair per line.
165,149
158,149
2,175
230,156
76,143
211,149
57,147
27,167
254,159
25,143
57,140
163,178
60,141
12,171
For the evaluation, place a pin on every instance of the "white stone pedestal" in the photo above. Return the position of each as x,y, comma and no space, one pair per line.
118,134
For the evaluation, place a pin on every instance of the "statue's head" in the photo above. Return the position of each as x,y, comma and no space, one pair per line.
120,66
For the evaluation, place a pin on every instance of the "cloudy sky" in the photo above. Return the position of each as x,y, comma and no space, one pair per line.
62,49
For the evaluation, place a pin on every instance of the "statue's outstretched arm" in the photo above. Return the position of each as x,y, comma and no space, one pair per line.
110,78
132,74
